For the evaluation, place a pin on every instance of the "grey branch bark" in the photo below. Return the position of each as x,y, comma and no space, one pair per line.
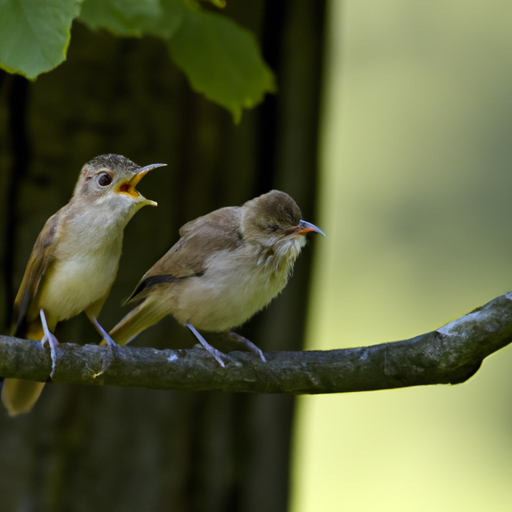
449,355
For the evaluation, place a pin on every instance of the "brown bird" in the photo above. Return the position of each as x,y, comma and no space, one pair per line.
226,266
74,261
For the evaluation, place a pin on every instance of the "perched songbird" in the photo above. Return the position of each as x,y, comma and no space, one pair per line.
226,266
74,261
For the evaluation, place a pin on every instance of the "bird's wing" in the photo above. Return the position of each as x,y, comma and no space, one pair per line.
218,231
39,263
225,219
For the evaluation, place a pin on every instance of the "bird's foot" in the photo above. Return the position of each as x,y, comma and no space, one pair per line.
217,354
249,344
113,347
112,352
49,339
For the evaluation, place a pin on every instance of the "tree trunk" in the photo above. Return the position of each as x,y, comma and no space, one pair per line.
85,448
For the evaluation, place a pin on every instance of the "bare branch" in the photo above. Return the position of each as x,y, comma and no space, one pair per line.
449,355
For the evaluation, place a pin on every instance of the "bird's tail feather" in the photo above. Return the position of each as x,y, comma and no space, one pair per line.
145,315
18,395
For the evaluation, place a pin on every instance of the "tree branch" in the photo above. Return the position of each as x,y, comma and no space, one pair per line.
449,355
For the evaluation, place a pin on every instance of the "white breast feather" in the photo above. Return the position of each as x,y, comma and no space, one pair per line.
236,286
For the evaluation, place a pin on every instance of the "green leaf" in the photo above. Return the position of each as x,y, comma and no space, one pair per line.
133,18
218,3
34,34
122,17
221,60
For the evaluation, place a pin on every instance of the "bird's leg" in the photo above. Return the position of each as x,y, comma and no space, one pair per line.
99,328
213,351
50,339
249,344
113,347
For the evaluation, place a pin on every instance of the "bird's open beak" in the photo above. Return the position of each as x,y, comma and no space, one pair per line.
305,227
128,186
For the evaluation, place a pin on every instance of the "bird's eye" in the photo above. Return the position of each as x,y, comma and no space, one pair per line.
272,228
104,179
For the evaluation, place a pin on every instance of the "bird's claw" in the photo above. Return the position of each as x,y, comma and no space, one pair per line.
249,344
53,343
112,352
113,347
50,340
217,354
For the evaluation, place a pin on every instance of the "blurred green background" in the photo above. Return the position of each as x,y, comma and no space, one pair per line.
416,201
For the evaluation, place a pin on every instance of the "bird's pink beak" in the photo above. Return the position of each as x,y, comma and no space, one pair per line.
305,227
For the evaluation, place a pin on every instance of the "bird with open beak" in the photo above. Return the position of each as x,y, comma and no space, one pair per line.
74,261
226,266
